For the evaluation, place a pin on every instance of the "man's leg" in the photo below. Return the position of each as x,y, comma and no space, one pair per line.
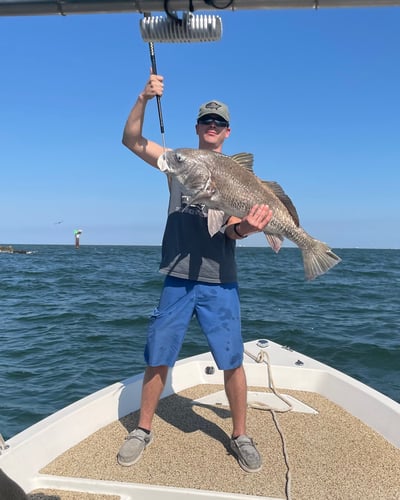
137,440
241,444
236,392
153,385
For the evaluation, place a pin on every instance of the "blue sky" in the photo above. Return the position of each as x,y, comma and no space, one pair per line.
314,95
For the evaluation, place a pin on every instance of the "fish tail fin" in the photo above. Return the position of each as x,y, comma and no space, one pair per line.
318,259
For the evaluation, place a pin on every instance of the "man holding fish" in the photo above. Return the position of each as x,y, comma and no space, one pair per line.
201,280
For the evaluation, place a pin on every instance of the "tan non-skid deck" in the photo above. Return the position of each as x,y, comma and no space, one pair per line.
332,455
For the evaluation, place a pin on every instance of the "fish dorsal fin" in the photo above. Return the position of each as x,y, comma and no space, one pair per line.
245,160
284,198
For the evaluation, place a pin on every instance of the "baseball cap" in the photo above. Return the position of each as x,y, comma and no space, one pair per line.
214,108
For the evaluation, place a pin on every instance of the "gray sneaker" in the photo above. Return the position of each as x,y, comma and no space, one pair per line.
247,454
132,449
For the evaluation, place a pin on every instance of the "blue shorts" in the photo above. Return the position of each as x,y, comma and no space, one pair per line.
217,309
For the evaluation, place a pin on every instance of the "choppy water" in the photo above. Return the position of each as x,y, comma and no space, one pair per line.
73,321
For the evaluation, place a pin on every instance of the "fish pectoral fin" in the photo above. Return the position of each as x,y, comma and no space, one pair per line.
275,241
210,188
215,220
206,193
199,197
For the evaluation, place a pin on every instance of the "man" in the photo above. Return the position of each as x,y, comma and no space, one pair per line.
201,279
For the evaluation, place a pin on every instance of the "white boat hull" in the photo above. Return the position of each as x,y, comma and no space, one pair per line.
29,451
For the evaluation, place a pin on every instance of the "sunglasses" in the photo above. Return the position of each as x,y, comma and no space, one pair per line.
208,121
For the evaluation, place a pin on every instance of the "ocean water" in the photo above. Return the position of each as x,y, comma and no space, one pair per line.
73,321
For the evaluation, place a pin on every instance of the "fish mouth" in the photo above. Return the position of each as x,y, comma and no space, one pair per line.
162,163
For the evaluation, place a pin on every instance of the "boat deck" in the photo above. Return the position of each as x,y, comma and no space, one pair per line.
331,454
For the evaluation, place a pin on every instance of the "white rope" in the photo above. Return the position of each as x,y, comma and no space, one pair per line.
263,357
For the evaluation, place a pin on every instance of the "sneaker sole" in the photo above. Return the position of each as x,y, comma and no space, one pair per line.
247,469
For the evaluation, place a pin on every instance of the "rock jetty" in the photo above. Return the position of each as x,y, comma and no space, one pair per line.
10,249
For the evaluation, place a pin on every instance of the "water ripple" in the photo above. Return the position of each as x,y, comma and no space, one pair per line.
73,321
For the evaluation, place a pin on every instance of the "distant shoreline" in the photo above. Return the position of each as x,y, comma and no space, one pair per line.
17,246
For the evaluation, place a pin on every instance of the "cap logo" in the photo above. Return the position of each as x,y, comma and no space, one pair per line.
213,106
